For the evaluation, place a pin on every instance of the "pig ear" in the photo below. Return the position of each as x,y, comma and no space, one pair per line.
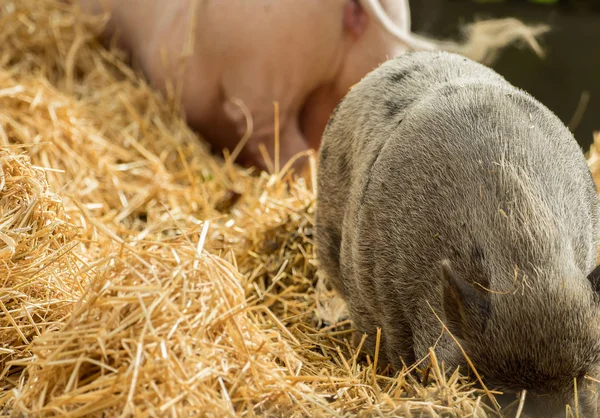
355,18
594,278
466,308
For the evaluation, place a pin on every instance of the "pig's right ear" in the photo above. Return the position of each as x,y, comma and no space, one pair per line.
466,308
355,18
594,278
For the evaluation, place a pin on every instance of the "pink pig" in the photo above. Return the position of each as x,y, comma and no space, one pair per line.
242,56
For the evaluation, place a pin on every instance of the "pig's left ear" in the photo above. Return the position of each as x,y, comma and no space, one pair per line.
594,278
467,309
355,18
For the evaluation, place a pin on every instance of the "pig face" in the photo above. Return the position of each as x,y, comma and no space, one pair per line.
501,333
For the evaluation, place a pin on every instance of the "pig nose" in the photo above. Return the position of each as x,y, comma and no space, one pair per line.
533,406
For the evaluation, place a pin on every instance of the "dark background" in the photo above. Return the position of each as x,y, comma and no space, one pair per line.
572,62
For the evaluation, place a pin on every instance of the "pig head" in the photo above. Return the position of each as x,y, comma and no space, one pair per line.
228,61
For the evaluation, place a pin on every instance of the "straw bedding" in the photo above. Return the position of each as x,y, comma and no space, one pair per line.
141,276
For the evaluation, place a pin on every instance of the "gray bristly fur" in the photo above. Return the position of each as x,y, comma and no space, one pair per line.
442,188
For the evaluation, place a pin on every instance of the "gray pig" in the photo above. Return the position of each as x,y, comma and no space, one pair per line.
447,194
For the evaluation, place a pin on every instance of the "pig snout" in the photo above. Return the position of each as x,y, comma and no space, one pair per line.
550,405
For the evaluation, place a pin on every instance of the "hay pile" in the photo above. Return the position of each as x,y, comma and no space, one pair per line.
141,275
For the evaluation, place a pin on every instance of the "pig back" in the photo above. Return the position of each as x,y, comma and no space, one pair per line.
358,129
